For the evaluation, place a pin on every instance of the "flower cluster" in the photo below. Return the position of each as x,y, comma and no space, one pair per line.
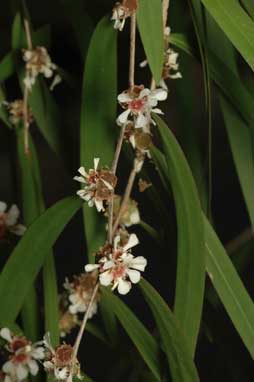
122,11
8,221
98,187
23,357
170,64
118,267
80,292
38,62
59,361
16,112
139,103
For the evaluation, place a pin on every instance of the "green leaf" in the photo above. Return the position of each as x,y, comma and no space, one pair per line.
29,255
98,113
229,287
150,25
236,24
249,6
7,66
191,260
174,342
142,339
33,206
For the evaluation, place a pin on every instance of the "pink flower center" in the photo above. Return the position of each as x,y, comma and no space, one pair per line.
119,271
20,358
137,105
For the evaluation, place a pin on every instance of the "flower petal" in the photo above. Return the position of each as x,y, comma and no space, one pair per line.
141,121
106,278
124,98
99,205
133,275
123,117
138,263
8,368
5,333
133,240
91,267
123,286
83,172
33,367
12,215
160,94
21,372
96,163
3,207
18,229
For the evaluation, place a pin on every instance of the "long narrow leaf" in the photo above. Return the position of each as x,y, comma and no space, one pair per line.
174,342
191,260
229,287
150,26
142,339
98,112
29,255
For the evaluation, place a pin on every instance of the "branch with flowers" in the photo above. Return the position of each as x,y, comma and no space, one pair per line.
140,179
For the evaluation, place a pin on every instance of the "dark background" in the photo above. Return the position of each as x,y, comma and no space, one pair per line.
220,353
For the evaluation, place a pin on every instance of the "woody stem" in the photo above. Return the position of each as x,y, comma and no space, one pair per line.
125,198
82,328
121,136
165,6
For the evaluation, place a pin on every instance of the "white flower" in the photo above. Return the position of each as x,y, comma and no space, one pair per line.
16,112
98,185
8,221
122,11
38,62
80,293
130,215
23,357
59,361
120,268
139,103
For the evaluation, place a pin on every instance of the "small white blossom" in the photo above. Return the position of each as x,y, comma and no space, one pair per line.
98,185
80,293
139,103
122,11
23,357
8,221
16,112
130,215
38,62
59,361
120,268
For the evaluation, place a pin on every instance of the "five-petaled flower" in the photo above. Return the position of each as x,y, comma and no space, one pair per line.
98,187
8,221
23,357
16,112
139,103
122,11
80,293
119,267
38,61
60,361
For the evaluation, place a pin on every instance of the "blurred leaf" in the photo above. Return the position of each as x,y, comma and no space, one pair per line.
174,343
30,209
229,287
182,42
7,66
236,24
81,23
98,112
142,339
29,255
150,25
249,6
191,260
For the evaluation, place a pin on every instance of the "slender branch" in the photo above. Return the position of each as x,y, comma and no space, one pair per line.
132,50
165,7
81,331
125,198
121,136
113,169
28,35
